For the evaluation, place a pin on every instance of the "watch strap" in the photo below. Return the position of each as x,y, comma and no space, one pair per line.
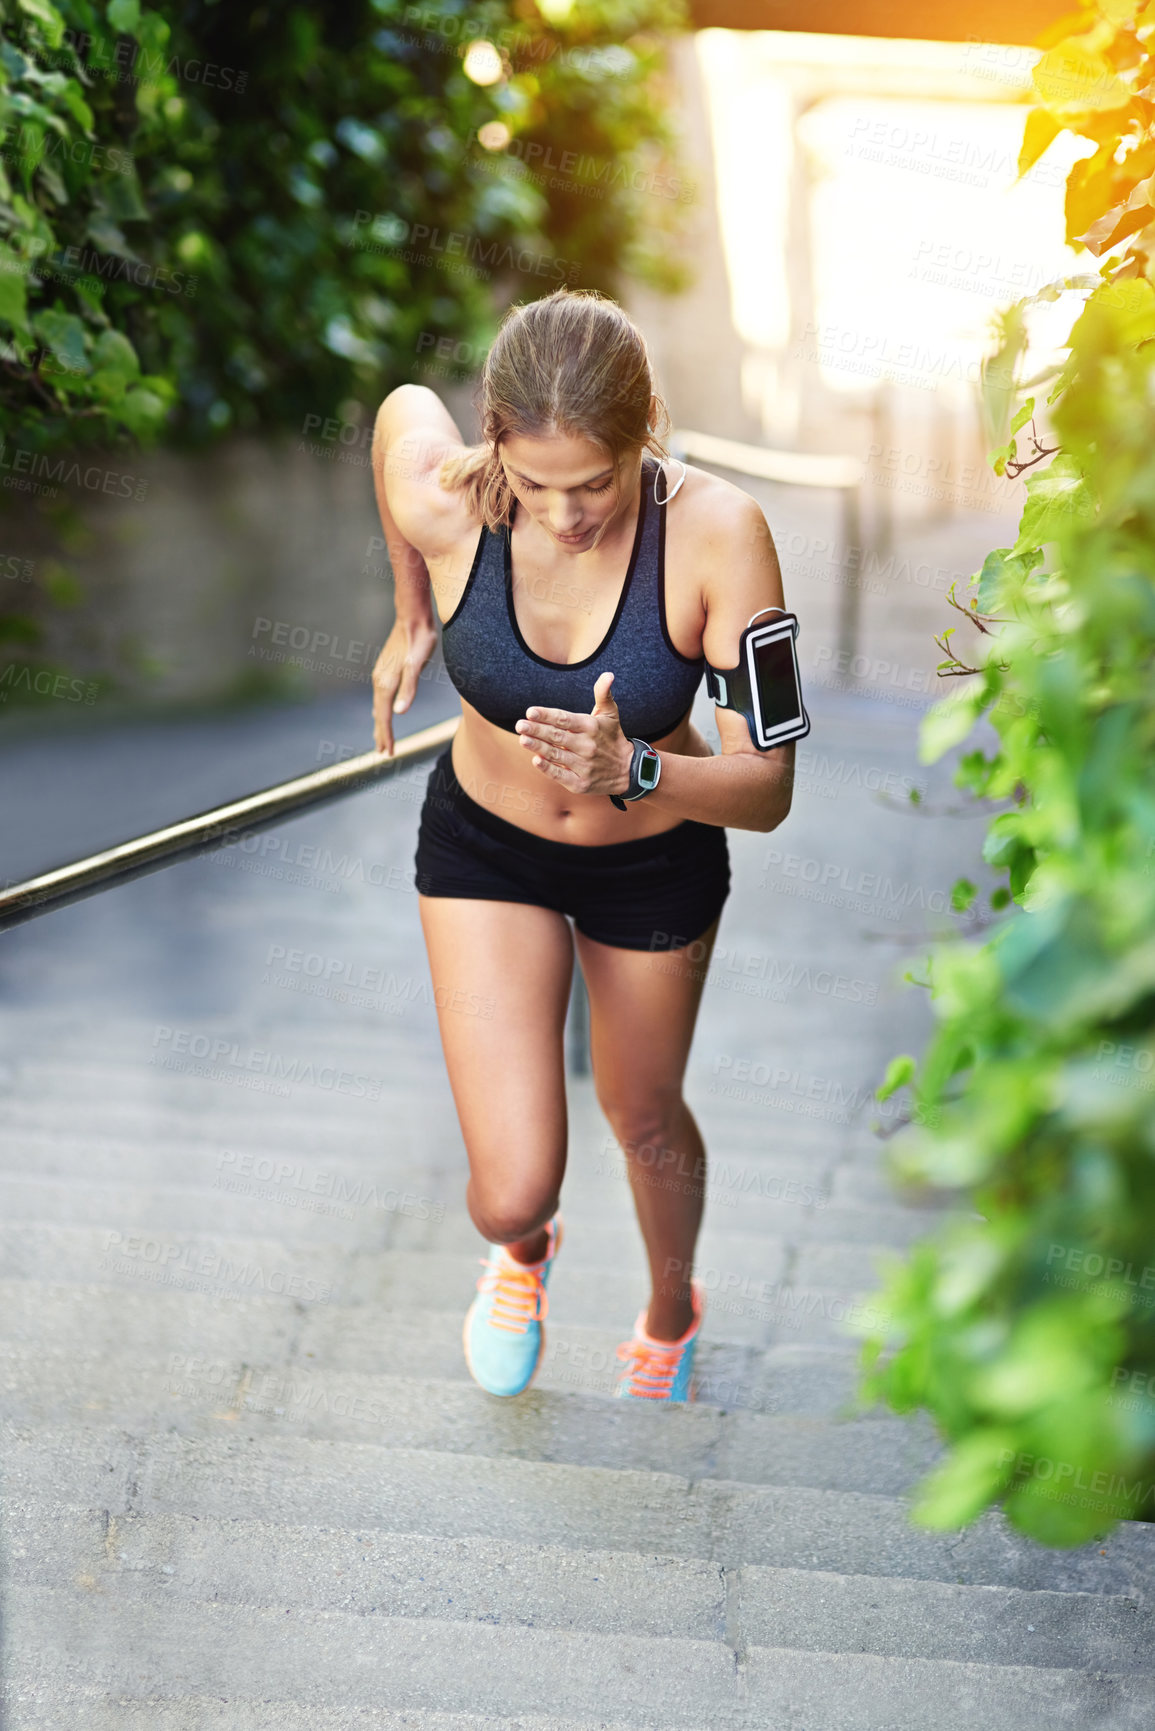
635,790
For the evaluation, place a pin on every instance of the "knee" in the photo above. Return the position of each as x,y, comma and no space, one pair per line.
506,1219
645,1126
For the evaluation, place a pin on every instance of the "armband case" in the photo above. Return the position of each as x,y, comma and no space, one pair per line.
765,685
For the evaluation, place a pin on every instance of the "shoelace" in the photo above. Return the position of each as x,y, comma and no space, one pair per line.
519,1297
652,1373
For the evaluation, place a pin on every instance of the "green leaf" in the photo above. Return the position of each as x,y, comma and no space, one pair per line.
64,334
61,584
1053,959
1039,133
989,578
899,1071
19,628
1003,838
118,197
124,15
112,352
1053,1517
142,412
1023,415
74,101
971,1476
1073,81
1058,501
962,894
13,291
52,184
945,723
48,18
998,373
1046,1359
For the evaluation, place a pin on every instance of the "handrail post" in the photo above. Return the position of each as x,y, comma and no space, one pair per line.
850,600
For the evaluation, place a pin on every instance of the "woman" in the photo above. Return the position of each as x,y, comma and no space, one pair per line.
578,593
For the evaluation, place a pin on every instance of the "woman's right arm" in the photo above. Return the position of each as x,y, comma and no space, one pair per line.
414,433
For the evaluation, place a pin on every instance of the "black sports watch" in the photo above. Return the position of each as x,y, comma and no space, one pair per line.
645,773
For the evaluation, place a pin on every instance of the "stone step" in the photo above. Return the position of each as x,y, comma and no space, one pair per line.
292,1199
775,1199
745,1302
361,1486
210,1398
150,1149
300,1203
251,1563
96,1710
395,1007
311,1092
51,1038
748,1230
170,1259
410,1111
147,1328
816,1380
334,1658
246,1562
136,1076
417,1126
338,1658
772,1197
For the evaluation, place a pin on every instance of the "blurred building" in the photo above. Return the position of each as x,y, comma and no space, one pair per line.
860,223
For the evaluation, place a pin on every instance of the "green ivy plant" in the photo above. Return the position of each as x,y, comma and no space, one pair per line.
68,184
1027,1328
597,135
222,217
218,218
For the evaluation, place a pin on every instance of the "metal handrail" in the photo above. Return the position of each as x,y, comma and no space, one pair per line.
209,830
792,468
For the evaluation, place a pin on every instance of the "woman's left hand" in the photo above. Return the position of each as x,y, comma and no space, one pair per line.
585,753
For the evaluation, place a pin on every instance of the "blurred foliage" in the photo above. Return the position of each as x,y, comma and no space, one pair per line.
596,136
218,219
230,217
1028,1329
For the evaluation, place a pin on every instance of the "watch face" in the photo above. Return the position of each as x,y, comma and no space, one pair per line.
648,770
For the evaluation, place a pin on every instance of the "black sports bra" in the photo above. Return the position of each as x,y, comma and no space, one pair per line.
494,669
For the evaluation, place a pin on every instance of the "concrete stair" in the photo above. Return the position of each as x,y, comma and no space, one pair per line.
249,1484
239,1507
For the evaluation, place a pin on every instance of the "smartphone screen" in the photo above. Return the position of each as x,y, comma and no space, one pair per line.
776,672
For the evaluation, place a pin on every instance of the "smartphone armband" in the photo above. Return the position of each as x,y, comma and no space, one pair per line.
765,686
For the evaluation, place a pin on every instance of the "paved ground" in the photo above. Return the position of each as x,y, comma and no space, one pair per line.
248,1481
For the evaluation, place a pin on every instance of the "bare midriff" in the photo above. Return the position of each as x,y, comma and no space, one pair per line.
497,771
492,765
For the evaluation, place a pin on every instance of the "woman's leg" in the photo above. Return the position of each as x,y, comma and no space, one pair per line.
506,1070
643,1005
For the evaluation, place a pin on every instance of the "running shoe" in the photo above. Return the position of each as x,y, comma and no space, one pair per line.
504,1330
661,1369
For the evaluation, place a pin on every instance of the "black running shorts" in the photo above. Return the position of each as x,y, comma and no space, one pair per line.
656,892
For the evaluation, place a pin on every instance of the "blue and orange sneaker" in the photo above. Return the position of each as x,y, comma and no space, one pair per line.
661,1369
504,1333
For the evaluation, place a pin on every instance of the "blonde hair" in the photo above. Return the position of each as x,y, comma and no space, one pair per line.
573,362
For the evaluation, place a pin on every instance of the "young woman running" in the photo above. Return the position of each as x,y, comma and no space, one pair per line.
579,596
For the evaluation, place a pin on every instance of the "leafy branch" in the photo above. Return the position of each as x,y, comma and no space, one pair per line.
1017,1327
